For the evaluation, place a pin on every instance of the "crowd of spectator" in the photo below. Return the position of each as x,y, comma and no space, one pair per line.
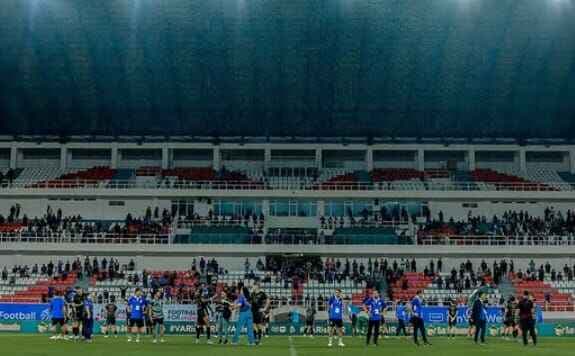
553,223
384,217
53,225
59,270
253,221
546,271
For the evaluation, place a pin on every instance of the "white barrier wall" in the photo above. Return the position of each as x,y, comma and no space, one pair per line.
237,263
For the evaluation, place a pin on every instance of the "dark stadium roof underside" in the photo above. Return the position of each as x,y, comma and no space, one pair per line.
286,140
276,68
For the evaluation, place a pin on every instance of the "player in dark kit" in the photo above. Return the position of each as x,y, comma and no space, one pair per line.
111,309
509,320
77,312
149,325
203,304
527,318
310,320
452,320
260,303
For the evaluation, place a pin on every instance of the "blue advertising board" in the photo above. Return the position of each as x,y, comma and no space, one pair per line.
24,312
438,315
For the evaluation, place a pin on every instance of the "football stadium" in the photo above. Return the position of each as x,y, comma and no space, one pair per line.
287,177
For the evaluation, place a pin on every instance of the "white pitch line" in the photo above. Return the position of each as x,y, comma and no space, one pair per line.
292,350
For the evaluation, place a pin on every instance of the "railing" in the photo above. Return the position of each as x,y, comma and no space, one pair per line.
497,240
102,238
286,239
200,239
216,222
71,185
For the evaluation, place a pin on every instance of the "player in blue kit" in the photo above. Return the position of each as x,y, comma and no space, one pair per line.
402,316
88,322
336,317
58,313
374,307
136,306
417,318
245,317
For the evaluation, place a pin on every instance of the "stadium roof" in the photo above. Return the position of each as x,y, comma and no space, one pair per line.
261,68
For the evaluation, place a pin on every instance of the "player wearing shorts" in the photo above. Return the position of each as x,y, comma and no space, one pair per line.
267,317
77,312
156,310
310,321
111,310
452,320
402,316
509,320
354,319
204,310
148,324
471,327
58,313
260,303
336,317
136,306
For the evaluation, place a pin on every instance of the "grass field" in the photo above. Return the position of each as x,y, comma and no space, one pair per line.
23,345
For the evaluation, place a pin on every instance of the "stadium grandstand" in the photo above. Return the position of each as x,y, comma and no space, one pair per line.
193,172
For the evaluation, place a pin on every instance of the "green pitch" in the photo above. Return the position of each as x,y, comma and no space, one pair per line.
22,345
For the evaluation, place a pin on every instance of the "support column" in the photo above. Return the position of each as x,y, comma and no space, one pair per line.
114,156
63,157
318,159
420,160
13,157
572,161
267,158
266,207
522,160
321,208
165,157
471,160
369,159
217,159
